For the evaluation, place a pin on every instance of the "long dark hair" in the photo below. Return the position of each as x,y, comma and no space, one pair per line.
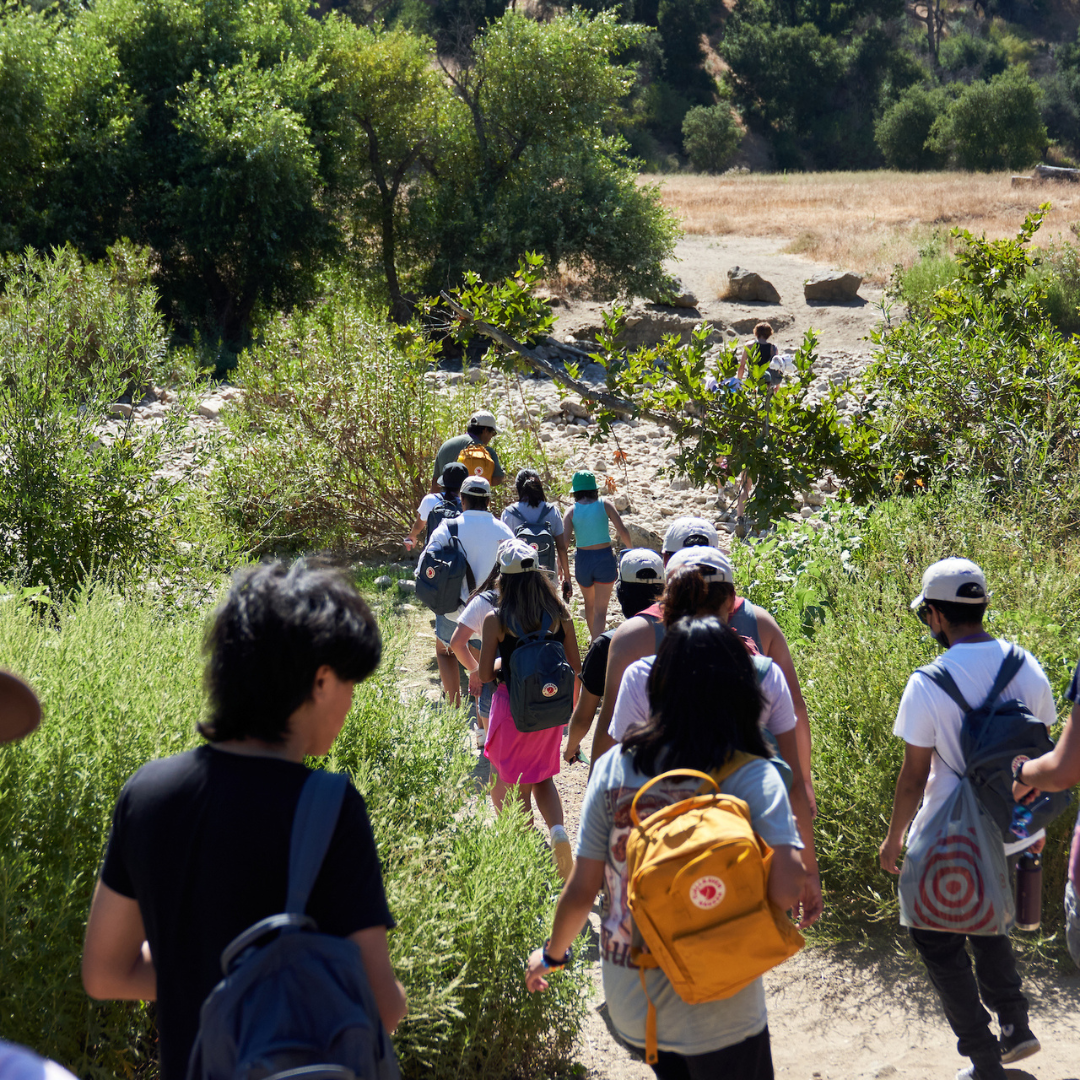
523,599
490,582
687,593
530,488
704,701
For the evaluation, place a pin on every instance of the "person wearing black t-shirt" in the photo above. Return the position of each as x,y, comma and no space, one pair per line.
199,848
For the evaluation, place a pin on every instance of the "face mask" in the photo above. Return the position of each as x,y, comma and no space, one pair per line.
941,639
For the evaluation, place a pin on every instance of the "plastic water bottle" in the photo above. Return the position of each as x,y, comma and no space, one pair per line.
1028,891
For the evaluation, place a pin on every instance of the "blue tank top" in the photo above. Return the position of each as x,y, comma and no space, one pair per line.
591,524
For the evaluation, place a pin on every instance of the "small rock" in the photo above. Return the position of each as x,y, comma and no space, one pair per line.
807,511
545,436
406,587
680,483
835,287
667,511
211,408
684,300
600,465
594,373
621,502
384,582
475,376
118,408
453,378
406,608
748,285
574,408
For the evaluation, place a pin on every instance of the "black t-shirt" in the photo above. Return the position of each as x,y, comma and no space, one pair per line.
201,840
594,666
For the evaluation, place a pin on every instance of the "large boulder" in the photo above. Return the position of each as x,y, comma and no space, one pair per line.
748,285
834,287
642,537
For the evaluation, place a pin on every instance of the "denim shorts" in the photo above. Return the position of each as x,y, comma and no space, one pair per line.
592,565
444,628
483,705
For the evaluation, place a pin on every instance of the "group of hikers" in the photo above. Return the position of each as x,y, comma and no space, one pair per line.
696,830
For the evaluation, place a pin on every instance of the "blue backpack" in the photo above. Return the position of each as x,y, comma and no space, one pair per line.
541,681
991,736
295,1002
443,568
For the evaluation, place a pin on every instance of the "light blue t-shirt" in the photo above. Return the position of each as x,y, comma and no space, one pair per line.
605,827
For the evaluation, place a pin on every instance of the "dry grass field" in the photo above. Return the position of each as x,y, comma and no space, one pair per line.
867,221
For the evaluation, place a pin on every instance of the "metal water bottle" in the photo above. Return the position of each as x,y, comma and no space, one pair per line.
1028,891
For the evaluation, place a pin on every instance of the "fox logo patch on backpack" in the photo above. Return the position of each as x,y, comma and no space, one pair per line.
478,460
697,888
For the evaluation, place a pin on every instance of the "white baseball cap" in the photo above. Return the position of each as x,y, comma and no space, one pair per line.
957,581
517,557
711,562
483,419
690,532
476,485
641,565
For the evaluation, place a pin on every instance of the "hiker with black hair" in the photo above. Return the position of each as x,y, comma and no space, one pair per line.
525,761
534,519
699,583
595,568
641,581
704,703
200,843
445,505
473,450
952,605
480,534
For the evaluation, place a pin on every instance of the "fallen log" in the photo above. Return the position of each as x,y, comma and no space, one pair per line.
1052,172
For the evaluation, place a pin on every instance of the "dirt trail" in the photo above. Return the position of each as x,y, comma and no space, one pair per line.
849,1012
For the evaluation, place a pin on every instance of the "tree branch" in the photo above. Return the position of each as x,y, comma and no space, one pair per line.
683,428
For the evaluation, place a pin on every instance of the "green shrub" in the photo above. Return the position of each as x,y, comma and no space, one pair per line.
471,897
842,595
710,137
75,337
902,131
994,125
1058,275
334,442
934,269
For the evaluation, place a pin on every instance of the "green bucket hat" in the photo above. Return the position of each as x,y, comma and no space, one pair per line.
584,481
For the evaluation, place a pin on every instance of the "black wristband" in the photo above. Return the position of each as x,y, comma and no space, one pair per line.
1017,769
550,961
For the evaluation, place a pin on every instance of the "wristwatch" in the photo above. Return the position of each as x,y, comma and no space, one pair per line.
1017,769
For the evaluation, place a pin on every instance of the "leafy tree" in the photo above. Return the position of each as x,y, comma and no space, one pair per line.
904,128
711,137
994,125
964,57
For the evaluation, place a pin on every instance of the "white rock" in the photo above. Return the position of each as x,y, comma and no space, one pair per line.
211,408
476,376
573,408
621,502
680,483
119,408
807,511
384,582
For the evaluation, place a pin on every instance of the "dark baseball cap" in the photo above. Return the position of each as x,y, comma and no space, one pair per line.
453,476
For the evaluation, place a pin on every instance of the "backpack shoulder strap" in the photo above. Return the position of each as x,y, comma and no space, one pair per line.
1010,666
736,761
452,526
762,664
518,514
314,822
939,675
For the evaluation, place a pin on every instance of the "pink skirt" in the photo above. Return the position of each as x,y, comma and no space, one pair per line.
517,757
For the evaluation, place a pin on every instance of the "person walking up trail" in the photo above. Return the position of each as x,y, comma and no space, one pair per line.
704,703
480,535
465,643
594,561
199,848
952,605
529,760
1059,770
641,581
539,524
445,505
473,450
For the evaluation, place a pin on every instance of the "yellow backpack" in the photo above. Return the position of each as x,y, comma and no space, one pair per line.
478,460
698,891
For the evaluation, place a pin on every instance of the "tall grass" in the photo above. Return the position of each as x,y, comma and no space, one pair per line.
842,599
120,684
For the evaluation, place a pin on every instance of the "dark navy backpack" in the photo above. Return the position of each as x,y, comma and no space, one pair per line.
446,509
538,535
295,1004
443,568
541,681
991,737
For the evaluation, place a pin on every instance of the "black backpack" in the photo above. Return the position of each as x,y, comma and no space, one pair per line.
295,1002
443,568
541,681
538,536
991,736
447,509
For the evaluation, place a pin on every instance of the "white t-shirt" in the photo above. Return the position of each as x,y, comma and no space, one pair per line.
19,1063
928,717
476,610
533,515
632,704
480,535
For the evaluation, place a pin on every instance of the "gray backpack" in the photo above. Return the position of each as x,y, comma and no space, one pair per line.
295,1002
541,681
538,535
443,568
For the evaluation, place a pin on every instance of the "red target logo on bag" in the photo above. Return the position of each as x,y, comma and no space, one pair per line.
429,573
707,892
550,689
952,895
